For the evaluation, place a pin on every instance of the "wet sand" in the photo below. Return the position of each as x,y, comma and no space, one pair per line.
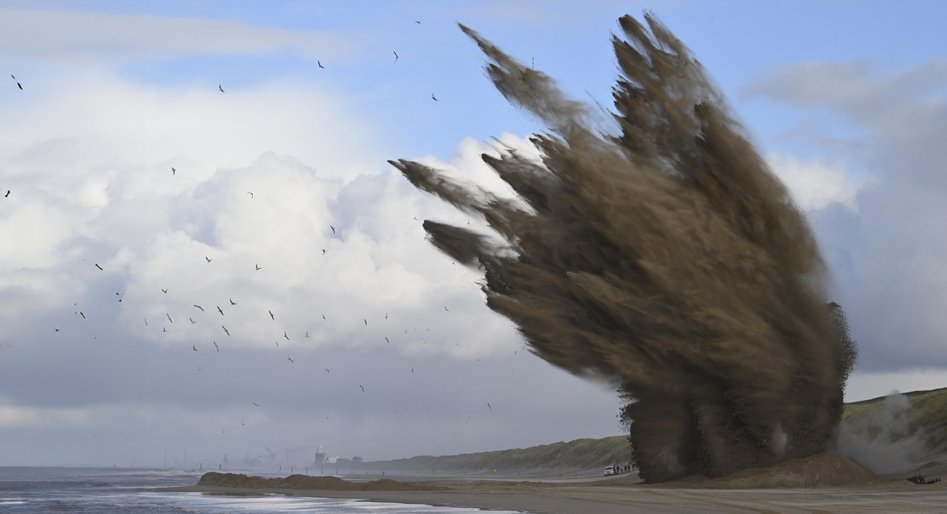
623,496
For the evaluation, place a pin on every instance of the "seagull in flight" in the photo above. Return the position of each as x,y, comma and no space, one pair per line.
323,251
433,97
173,171
251,194
255,404
320,64
165,291
191,320
221,88
208,258
333,229
169,317
386,340
258,268
19,86
366,322
194,347
396,55
307,334
327,370
290,359
277,342
445,309
272,317
221,311
7,195
286,336
489,406
215,346
232,302
100,267
225,330
363,387
323,316
199,307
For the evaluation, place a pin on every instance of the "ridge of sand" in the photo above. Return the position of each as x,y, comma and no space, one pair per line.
820,470
305,482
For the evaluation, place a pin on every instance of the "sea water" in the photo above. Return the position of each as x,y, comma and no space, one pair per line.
116,490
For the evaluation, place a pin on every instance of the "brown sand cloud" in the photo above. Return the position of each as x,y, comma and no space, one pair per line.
666,258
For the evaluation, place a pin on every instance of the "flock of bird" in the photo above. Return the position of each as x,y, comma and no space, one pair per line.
257,267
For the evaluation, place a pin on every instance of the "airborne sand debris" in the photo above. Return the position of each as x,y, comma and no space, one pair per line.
666,259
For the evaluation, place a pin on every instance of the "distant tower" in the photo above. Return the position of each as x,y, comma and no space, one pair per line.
320,456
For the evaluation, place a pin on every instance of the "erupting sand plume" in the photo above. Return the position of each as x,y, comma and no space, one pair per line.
665,258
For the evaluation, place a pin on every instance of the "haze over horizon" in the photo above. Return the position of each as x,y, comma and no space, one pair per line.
117,94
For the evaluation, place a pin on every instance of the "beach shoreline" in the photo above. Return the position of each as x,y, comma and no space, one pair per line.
777,489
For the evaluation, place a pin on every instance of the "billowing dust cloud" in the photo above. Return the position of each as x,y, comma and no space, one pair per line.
665,257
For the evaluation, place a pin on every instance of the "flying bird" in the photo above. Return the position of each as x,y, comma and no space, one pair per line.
173,171
276,341
363,387
164,329
386,340
327,370
225,330
258,268
215,346
323,316
194,347
323,251
290,359
221,311
251,194
8,194
433,97
333,229
191,320
272,317
255,404
100,267
19,86
169,317
445,309
165,291
286,336
489,406
232,302
307,334
396,55
199,307
320,64
221,88
208,258
417,21
366,322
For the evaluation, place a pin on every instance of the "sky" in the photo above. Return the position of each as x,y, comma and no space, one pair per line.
377,345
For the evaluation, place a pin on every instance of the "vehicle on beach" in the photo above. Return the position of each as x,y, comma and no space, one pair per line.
617,469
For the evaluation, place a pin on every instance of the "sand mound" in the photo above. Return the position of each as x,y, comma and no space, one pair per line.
822,470
304,482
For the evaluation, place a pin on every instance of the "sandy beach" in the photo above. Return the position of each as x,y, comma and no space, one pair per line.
797,487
